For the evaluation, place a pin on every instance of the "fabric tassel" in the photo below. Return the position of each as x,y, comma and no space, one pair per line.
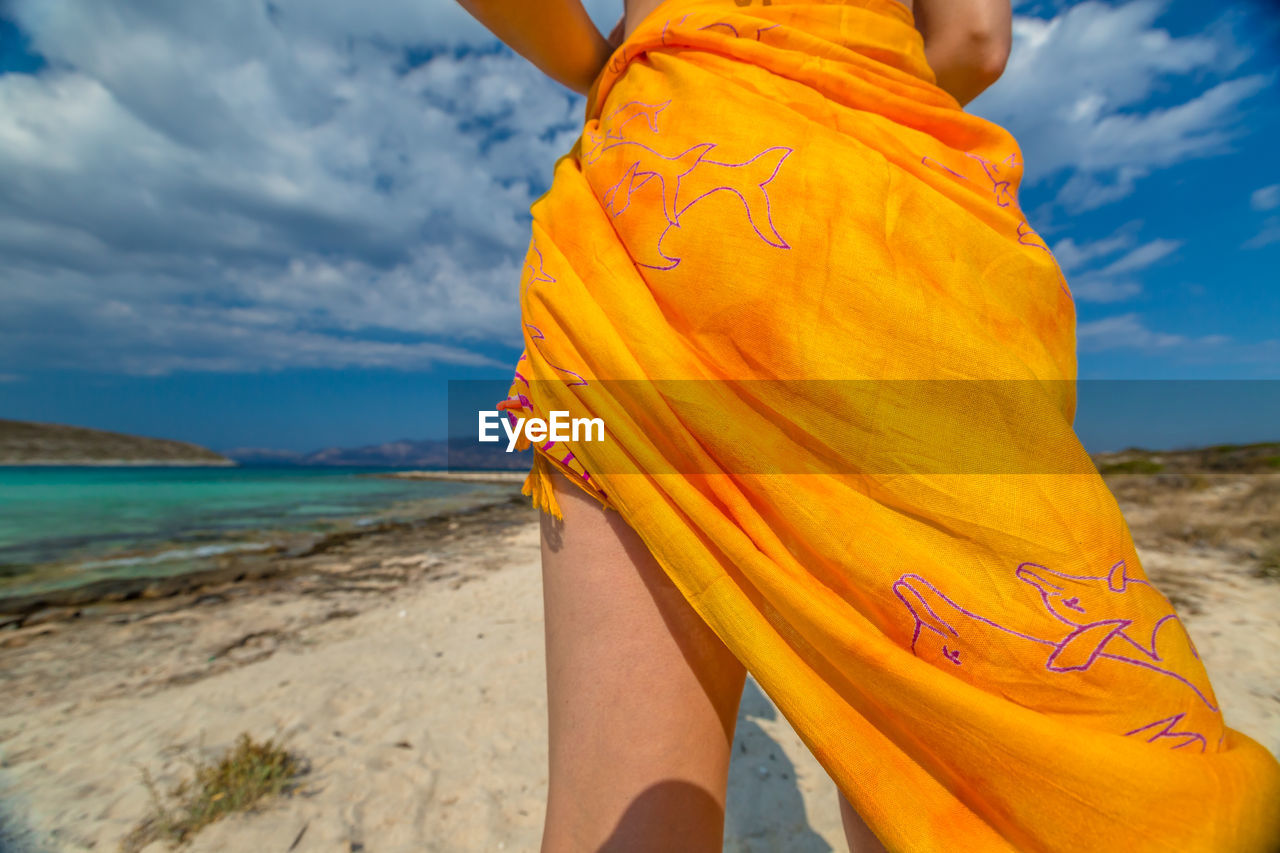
539,488
538,484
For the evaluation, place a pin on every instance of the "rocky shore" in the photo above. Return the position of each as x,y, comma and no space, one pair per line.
239,573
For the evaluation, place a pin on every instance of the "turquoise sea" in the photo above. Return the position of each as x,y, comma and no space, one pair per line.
63,526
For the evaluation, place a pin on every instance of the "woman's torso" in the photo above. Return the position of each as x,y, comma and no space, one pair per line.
638,10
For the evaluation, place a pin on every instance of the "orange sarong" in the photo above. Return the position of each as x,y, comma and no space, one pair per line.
773,226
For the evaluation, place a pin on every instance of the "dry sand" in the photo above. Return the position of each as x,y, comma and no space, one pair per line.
407,667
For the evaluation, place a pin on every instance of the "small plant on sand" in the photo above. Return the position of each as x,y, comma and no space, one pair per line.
1268,565
246,774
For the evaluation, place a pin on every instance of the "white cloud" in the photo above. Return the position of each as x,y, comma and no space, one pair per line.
1142,257
1270,233
283,158
1110,282
1265,198
1127,331
1095,288
251,185
1071,256
1074,91
150,336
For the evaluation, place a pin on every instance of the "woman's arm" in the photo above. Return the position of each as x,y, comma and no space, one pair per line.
555,35
966,42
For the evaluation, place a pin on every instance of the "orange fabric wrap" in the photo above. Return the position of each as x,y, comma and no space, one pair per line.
779,191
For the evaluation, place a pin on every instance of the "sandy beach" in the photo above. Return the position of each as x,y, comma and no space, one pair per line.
406,666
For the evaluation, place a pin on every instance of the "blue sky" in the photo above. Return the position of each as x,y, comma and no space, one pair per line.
289,224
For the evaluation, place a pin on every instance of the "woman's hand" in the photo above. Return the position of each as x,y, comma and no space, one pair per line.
557,36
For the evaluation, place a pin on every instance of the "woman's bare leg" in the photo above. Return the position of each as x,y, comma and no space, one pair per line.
860,838
642,697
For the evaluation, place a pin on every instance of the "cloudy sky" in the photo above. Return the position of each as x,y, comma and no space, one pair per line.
286,224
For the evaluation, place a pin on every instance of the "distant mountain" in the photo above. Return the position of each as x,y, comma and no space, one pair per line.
32,443
405,453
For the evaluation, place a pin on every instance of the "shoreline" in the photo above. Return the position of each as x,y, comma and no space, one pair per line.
277,559
120,463
510,476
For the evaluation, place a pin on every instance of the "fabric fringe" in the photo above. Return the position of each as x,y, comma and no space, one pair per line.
538,484
538,487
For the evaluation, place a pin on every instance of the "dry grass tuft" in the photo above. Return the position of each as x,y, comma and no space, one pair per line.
1268,565
243,777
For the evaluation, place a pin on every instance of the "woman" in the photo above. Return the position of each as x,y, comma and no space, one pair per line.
836,367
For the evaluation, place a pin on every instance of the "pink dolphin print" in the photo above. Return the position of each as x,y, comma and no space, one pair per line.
682,179
1152,734
610,131
535,273
1088,618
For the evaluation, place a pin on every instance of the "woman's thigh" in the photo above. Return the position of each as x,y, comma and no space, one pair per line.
642,696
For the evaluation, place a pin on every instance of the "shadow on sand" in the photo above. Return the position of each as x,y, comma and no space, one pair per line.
765,809
14,836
